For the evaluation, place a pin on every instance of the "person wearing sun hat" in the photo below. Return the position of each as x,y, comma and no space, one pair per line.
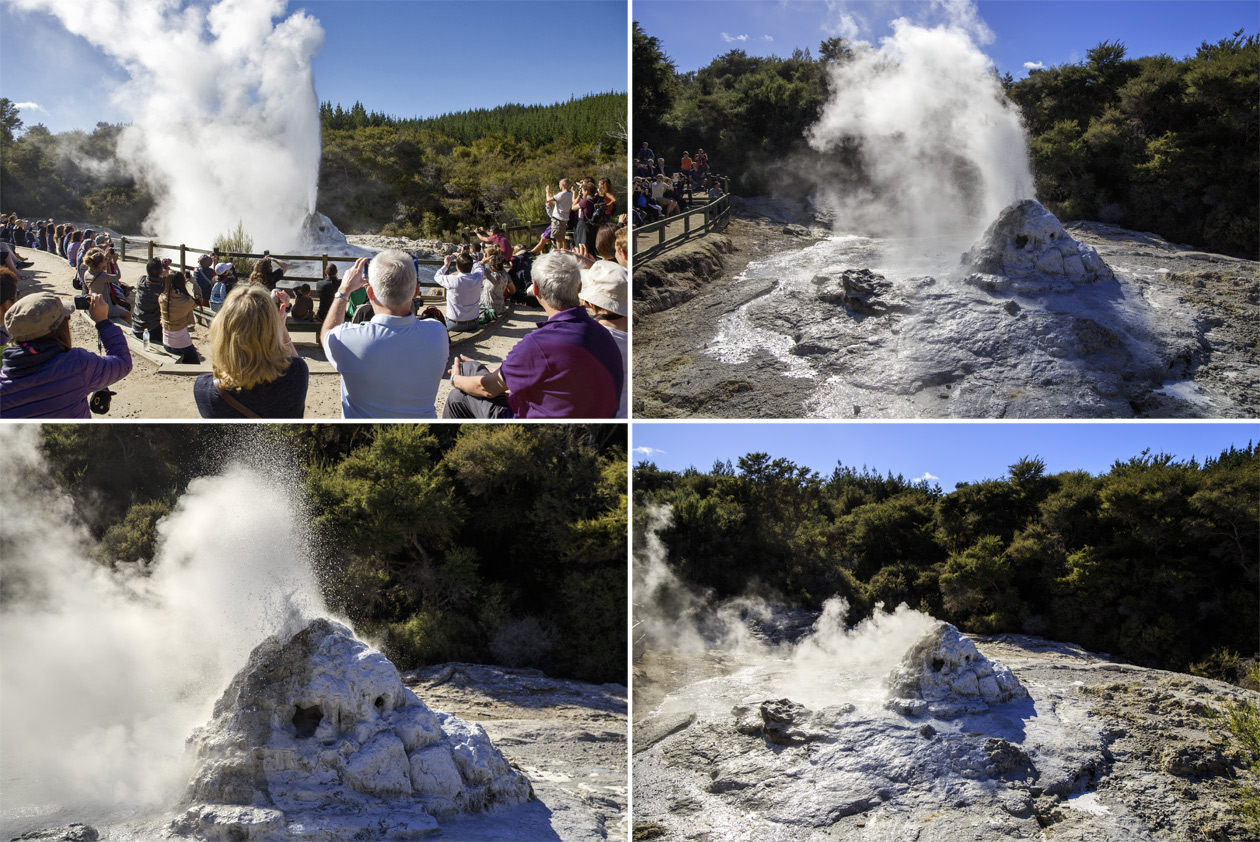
43,375
604,294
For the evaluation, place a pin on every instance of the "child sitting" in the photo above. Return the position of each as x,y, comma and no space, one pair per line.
304,307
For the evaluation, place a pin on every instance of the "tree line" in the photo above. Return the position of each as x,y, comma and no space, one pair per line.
1152,144
416,178
1154,561
477,543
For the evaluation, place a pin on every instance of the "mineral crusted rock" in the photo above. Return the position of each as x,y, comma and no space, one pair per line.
321,727
76,832
944,675
1027,249
860,291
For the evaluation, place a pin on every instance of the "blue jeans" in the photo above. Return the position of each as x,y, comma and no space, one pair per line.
462,326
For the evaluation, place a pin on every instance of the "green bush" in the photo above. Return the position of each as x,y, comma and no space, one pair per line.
235,243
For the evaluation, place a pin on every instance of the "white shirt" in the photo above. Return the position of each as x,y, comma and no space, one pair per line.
463,292
564,204
622,340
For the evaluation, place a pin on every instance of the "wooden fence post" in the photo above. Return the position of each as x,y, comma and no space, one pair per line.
183,257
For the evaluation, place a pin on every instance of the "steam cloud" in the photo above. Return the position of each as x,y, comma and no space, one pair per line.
106,673
224,119
942,148
669,614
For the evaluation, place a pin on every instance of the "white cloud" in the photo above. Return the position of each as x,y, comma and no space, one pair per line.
767,37
29,106
647,451
729,38
1034,65
927,477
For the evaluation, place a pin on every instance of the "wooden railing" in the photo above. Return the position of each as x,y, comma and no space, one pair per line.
142,251
532,230
696,222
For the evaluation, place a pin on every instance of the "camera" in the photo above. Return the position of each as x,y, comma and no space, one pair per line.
82,302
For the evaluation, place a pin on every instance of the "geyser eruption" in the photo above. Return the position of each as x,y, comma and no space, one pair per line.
941,148
224,122
107,672
319,727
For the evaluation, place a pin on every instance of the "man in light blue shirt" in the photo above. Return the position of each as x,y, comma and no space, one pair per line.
390,366
463,291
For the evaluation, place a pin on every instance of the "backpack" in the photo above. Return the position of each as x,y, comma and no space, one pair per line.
599,212
218,292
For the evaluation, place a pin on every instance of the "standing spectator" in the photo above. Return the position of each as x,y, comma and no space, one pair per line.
645,154
257,371
610,199
590,211
569,367
685,166
43,375
463,290
561,204
390,366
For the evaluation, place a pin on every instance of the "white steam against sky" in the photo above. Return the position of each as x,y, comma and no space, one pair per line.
106,673
224,122
942,147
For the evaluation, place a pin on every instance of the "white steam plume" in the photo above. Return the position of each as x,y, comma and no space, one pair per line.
942,148
224,122
106,673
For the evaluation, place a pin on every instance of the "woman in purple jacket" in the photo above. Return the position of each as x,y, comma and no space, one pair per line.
43,375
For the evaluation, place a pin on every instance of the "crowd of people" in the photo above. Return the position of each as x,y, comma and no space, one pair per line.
390,359
661,191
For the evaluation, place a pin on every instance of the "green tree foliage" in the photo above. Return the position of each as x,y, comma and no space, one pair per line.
1151,143
237,242
1154,561
444,542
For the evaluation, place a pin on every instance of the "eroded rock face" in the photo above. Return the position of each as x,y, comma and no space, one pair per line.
860,291
321,725
318,230
944,675
1027,248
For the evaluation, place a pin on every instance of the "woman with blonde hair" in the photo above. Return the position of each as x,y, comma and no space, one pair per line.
257,372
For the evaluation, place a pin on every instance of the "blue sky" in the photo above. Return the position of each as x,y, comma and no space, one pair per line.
1049,32
945,453
402,57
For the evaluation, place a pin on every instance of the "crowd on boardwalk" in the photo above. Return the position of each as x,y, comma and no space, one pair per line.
390,359
662,191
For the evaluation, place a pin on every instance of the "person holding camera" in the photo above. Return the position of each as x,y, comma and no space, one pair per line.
495,236
257,370
560,205
98,280
43,375
463,289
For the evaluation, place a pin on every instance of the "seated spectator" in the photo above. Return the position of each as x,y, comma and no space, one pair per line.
604,294
204,278
177,316
43,375
326,289
463,290
225,281
496,286
496,236
98,280
257,371
392,365
569,367
304,305
76,243
268,272
146,312
8,297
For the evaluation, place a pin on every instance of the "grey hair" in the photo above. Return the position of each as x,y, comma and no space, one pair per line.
559,280
392,276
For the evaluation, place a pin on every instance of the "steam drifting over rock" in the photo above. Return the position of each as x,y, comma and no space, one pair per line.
318,731
944,675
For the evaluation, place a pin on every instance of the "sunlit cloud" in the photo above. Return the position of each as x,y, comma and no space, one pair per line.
647,451
29,106
927,477
730,38
1034,65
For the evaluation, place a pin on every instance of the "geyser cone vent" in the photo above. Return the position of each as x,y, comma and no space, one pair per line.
1026,242
944,675
321,723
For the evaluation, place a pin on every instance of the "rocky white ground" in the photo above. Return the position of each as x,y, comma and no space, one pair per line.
500,732
1097,750
855,326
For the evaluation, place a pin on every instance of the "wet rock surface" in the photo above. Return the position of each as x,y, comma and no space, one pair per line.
1142,328
1096,751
